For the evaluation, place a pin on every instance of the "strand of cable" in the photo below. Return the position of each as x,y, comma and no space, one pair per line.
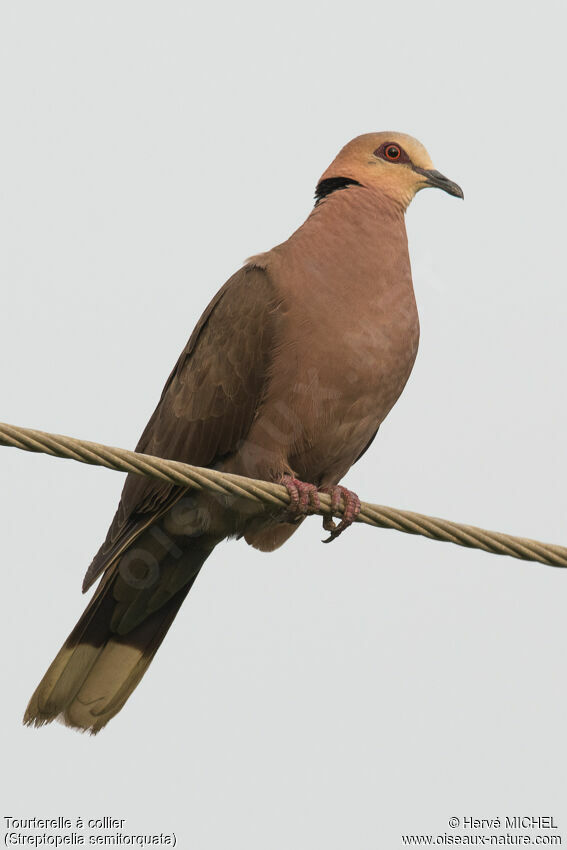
185,475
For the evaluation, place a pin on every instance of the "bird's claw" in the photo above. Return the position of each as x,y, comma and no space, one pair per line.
304,500
351,511
303,497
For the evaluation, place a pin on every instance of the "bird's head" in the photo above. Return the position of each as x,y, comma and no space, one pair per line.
394,163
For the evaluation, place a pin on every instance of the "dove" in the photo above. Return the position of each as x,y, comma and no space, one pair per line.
287,377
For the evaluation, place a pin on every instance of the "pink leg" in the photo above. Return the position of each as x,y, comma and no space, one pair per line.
304,498
352,510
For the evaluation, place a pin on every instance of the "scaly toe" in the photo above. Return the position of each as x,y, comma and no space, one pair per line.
304,497
351,511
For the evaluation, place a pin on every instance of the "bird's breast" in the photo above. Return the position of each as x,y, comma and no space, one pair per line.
345,351
347,333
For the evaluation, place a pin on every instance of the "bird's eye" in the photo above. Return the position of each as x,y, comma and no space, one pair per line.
392,152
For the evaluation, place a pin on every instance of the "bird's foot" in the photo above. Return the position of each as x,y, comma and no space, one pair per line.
351,511
303,498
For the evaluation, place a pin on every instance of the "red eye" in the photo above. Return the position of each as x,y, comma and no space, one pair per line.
392,152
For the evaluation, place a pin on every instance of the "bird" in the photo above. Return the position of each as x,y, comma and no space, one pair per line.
287,377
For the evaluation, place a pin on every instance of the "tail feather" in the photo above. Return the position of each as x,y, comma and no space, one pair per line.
112,645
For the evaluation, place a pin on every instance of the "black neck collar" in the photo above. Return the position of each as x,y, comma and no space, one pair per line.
331,184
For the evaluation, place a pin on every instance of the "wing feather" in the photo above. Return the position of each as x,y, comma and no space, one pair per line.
207,405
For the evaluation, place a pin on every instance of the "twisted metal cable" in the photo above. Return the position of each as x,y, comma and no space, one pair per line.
224,483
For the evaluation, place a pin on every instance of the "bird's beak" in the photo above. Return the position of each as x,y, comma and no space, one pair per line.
435,178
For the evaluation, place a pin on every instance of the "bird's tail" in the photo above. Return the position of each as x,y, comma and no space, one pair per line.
112,645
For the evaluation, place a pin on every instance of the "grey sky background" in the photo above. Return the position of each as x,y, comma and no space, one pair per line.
322,696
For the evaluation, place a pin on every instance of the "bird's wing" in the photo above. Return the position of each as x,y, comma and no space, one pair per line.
207,405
